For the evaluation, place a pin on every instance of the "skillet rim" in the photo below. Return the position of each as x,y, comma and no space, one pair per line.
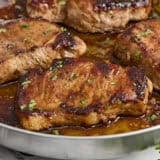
106,137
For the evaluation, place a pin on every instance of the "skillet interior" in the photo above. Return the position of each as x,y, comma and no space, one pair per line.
99,45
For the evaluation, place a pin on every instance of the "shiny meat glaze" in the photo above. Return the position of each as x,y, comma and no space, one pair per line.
103,15
29,43
52,10
140,45
81,92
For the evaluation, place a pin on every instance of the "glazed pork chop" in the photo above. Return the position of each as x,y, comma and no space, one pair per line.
29,43
80,92
52,10
140,45
105,15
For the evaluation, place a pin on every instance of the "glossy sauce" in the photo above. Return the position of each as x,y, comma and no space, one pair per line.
99,45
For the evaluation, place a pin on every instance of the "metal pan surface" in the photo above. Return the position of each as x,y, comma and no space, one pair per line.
69,147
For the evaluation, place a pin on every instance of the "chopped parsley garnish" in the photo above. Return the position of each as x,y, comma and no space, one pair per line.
153,117
55,132
106,41
25,26
30,106
27,41
3,30
25,83
83,102
57,65
73,77
62,2
155,15
90,81
138,55
47,32
54,77
63,29
143,34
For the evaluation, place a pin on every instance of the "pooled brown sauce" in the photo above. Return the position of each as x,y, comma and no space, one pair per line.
7,99
99,45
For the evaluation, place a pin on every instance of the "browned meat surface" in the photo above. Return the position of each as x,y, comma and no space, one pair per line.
81,92
140,45
52,10
105,15
7,9
26,44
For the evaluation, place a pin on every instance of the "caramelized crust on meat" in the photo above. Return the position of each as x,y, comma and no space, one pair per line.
80,92
7,9
29,43
52,10
140,45
105,15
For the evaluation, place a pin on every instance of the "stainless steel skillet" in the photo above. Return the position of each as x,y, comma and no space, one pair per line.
69,147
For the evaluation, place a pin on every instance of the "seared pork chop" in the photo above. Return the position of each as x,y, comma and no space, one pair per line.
52,10
26,44
80,92
105,15
140,45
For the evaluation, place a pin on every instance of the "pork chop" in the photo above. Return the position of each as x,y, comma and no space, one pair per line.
30,43
52,10
81,92
105,15
140,45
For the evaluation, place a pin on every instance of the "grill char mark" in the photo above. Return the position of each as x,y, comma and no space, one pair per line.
81,110
139,81
105,5
64,40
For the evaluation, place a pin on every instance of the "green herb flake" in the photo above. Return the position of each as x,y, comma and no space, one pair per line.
145,33
25,26
62,2
54,77
106,41
73,77
25,83
31,105
55,132
57,65
27,41
3,30
63,29
90,81
47,32
138,55
83,102
153,117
